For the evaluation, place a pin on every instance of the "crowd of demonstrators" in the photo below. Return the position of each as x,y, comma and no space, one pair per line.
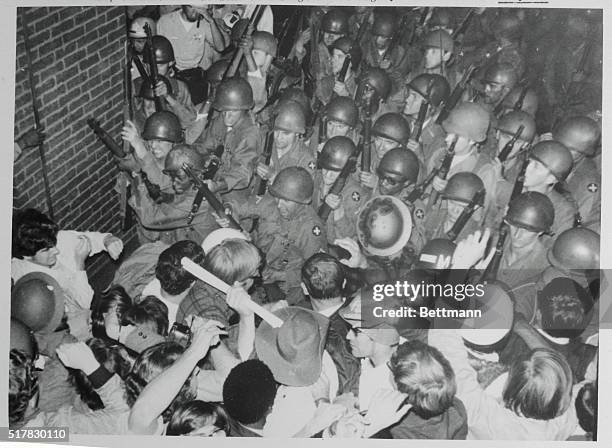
305,156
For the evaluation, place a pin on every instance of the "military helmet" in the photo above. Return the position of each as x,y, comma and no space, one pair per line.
576,248
393,127
163,125
290,117
183,153
264,41
385,24
335,153
345,45
21,338
501,73
379,80
532,211
439,39
463,187
440,89
507,25
428,258
530,100
344,110
164,53
335,22
401,163
234,94
512,121
214,74
441,18
468,120
554,156
37,301
578,134
384,226
137,29
293,184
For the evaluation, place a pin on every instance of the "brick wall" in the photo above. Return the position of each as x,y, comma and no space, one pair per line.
77,57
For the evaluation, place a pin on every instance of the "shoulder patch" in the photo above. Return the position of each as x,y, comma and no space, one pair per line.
356,196
316,230
593,187
419,213
312,165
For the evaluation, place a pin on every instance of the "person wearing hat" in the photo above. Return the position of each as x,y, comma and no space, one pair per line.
289,230
259,51
288,147
373,341
235,134
438,49
295,353
39,246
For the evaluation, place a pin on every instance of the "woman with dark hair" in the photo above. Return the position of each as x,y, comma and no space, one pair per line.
198,418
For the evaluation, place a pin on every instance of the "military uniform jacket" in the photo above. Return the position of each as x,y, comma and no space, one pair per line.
584,184
170,220
299,155
524,267
287,243
241,145
353,197
184,110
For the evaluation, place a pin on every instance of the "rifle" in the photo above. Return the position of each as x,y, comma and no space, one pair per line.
366,156
154,191
263,185
520,180
420,25
518,106
461,29
340,182
465,215
507,149
444,169
457,93
396,39
418,191
310,65
128,114
205,193
351,57
154,77
418,124
239,51
490,273
106,138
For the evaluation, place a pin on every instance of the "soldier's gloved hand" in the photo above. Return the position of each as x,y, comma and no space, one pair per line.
114,246
161,89
340,89
264,171
413,145
31,138
439,184
368,180
333,200
222,221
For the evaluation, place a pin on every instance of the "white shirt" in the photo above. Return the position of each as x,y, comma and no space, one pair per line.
371,379
73,281
154,289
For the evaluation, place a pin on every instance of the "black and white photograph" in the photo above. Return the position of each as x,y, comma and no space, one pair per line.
373,219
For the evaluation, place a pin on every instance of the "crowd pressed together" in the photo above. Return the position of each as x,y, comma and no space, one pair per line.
303,155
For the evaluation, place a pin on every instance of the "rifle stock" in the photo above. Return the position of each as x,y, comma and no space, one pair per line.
105,138
465,215
456,94
507,149
205,193
154,77
154,191
420,121
263,184
239,52
490,273
366,155
442,172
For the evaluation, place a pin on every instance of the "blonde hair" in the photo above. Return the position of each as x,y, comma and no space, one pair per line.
233,260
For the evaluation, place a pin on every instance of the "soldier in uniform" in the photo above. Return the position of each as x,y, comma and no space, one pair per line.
234,138
334,25
434,91
336,153
468,123
259,50
499,80
289,231
580,135
340,50
529,216
374,90
439,47
380,51
174,91
341,118
460,190
288,148
506,128
138,40
171,219
508,30
389,131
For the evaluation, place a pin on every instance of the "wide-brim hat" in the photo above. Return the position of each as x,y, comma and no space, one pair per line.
293,351
38,301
